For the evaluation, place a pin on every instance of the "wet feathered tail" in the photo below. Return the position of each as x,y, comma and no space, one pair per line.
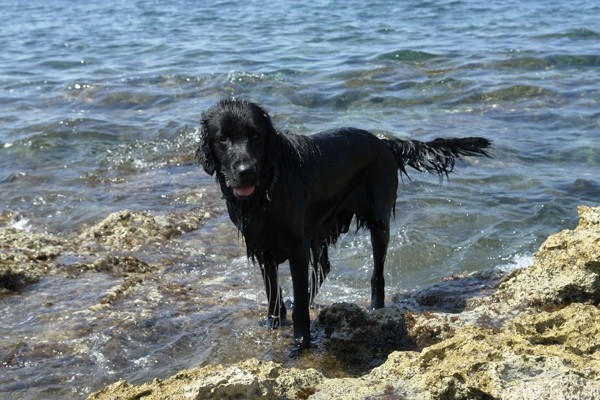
437,156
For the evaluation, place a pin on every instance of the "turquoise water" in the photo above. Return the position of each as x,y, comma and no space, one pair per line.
100,102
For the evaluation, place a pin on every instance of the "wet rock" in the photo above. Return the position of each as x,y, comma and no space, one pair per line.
25,257
456,293
135,229
120,266
19,246
131,269
12,281
537,336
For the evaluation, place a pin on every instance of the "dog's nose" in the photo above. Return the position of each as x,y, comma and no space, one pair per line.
247,171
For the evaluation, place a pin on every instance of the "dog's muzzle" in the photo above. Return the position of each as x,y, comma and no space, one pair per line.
247,180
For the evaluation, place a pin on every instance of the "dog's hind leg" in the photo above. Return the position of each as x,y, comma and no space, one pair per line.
380,236
377,211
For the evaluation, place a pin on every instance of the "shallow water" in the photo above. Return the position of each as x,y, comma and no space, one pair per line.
99,107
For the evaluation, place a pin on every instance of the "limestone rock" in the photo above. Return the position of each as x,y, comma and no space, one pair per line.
250,379
135,229
25,257
566,268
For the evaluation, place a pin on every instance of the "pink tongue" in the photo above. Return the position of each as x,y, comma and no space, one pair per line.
243,191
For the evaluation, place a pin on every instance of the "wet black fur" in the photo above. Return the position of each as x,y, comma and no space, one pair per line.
308,189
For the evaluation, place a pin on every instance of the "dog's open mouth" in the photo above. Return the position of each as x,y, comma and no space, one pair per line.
244,190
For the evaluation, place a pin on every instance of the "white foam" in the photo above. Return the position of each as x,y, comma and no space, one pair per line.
21,224
519,261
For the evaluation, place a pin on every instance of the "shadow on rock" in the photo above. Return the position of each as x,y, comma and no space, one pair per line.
362,339
455,294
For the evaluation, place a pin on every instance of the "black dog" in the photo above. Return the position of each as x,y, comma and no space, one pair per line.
292,195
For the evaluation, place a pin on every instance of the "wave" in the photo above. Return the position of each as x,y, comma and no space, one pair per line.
406,55
573,34
583,60
517,262
510,93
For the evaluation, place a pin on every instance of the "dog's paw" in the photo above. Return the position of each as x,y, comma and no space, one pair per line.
272,322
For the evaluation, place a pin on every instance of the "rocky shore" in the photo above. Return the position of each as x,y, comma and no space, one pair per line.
532,334
26,257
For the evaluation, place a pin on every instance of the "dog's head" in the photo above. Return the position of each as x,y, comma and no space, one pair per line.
234,136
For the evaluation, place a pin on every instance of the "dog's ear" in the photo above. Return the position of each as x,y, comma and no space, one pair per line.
204,153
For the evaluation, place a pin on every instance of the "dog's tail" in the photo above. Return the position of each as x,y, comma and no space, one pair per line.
437,156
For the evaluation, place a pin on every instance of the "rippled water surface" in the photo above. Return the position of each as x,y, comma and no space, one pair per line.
99,107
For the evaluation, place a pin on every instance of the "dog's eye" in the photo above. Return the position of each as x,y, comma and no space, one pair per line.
254,135
223,138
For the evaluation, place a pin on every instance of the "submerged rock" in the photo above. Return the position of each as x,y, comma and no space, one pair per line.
458,293
536,336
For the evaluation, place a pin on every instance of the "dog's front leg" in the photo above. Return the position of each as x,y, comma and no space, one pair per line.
299,270
277,310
